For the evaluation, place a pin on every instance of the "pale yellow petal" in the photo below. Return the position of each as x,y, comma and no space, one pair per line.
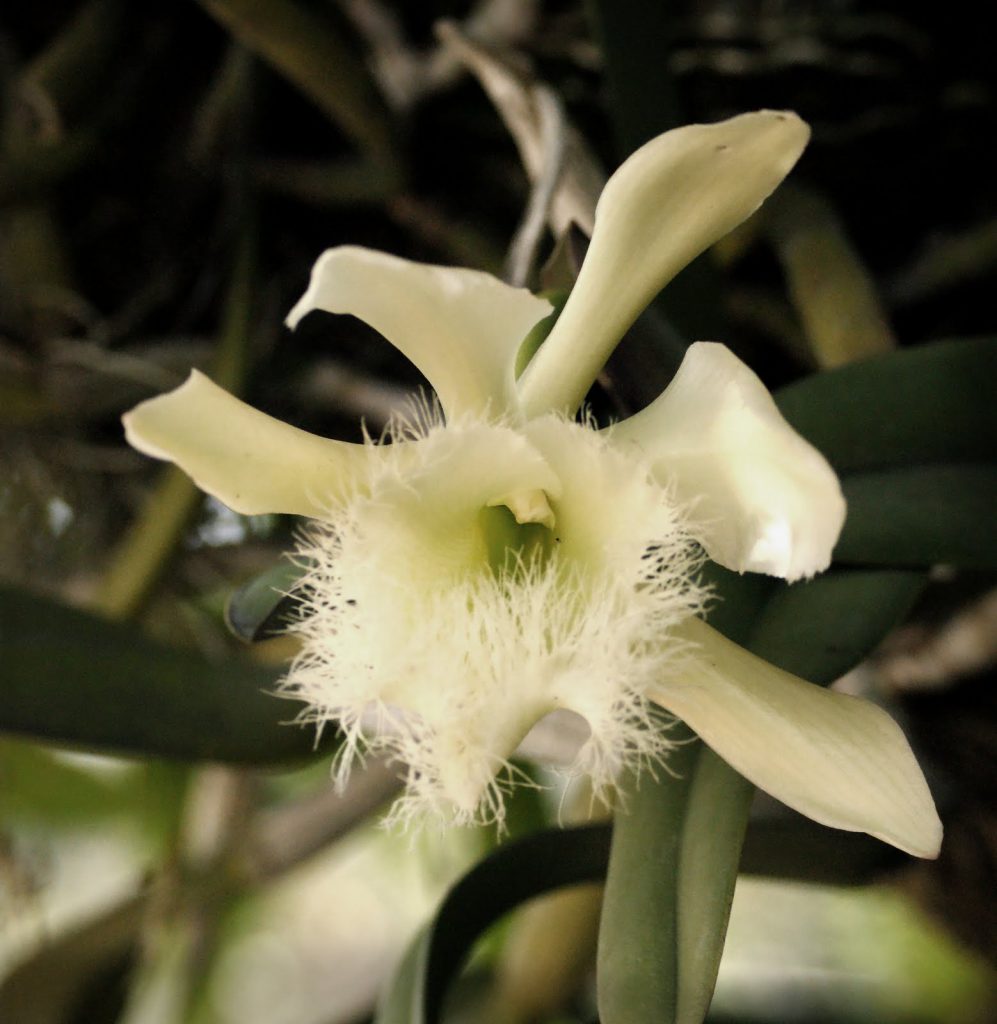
248,460
837,759
668,202
609,510
461,328
762,498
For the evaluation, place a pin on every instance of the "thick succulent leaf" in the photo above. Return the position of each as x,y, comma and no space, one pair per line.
823,628
820,628
737,599
674,860
513,874
921,516
796,849
75,679
461,328
264,607
712,834
761,498
929,404
669,201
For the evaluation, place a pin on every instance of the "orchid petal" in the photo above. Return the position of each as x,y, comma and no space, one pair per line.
248,460
668,202
762,498
608,510
461,328
835,758
434,504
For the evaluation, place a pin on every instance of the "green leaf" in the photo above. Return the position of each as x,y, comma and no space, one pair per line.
511,875
263,607
72,678
537,334
797,849
671,877
920,516
914,434
40,788
308,50
737,599
821,629
676,851
712,836
933,403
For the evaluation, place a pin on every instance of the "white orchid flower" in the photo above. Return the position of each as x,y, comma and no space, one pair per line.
505,561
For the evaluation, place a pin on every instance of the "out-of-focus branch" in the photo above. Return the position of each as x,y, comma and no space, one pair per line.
308,52
285,836
921,660
833,293
406,74
523,104
946,261
144,552
523,249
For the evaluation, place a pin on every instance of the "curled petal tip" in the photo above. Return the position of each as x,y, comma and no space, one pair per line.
461,328
248,460
763,499
142,423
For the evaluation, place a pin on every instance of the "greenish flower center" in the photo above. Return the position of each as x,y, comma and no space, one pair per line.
511,543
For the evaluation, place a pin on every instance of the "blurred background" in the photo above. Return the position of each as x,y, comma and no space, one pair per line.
169,171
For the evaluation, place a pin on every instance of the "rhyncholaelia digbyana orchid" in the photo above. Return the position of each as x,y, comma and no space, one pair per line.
484,570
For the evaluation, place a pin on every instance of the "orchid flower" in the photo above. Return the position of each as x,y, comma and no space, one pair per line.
503,559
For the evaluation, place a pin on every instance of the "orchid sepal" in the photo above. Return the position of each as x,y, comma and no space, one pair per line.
667,203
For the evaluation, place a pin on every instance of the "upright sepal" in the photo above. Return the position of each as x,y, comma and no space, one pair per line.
669,201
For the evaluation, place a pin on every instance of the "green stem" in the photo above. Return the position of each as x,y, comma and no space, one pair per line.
148,546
